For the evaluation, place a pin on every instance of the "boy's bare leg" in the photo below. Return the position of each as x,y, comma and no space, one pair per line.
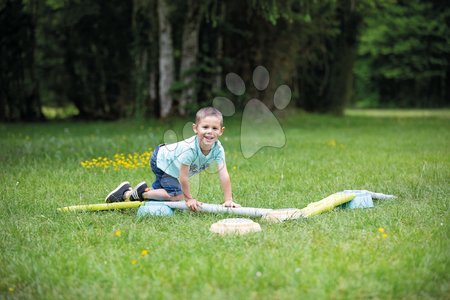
161,194
158,194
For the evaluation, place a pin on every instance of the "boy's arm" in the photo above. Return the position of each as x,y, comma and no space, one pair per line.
225,182
192,203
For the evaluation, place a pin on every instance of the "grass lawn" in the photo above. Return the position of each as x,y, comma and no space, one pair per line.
340,255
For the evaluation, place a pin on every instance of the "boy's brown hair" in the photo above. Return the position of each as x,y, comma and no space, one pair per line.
207,112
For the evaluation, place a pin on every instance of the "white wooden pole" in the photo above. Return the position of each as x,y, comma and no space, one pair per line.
217,208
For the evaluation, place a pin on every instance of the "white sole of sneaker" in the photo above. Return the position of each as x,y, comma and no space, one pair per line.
135,189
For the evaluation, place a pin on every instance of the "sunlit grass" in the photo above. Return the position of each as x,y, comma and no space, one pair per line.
50,112
399,113
396,250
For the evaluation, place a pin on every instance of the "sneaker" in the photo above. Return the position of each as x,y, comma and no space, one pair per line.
117,194
136,193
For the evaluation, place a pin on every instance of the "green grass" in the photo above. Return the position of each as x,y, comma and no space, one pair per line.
338,255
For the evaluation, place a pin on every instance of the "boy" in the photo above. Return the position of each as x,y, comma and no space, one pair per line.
172,165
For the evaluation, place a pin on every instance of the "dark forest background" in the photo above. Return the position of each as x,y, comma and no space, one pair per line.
111,59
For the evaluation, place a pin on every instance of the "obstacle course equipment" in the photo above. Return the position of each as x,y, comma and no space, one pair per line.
152,208
101,206
205,207
345,199
280,215
326,204
283,214
235,226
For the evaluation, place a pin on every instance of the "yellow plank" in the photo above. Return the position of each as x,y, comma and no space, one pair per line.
101,206
326,204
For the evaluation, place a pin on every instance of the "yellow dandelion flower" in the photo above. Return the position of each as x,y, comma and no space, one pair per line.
118,233
134,261
332,143
234,168
381,230
384,235
144,252
119,161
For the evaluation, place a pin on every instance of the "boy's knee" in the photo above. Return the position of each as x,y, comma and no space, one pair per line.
176,198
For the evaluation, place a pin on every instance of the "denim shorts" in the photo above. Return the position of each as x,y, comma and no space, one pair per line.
163,180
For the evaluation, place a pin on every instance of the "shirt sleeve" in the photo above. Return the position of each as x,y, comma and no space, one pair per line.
220,156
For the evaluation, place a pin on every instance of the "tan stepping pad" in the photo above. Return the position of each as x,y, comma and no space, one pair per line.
235,226
280,215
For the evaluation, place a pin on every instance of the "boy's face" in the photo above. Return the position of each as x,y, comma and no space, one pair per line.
208,131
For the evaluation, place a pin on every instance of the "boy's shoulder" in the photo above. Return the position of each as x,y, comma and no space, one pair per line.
218,150
189,141
219,145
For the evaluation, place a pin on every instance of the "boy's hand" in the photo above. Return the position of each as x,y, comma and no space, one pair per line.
193,204
230,203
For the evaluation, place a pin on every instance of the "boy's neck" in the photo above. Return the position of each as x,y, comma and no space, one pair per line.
205,151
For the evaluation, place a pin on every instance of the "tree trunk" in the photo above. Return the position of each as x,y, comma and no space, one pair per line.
279,57
189,53
219,78
166,61
32,109
145,52
140,61
217,84
340,88
325,75
153,78
19,93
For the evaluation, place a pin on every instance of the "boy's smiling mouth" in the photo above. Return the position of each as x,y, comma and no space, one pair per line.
208,141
